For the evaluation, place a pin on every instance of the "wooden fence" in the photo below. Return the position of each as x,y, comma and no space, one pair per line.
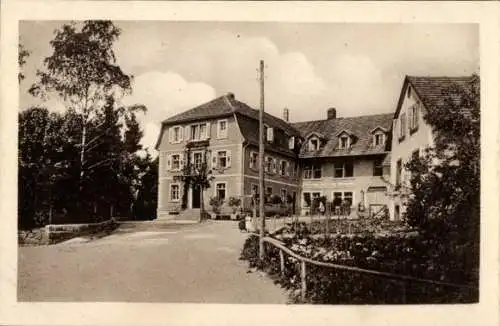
304,261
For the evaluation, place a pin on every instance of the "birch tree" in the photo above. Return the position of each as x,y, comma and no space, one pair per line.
83,73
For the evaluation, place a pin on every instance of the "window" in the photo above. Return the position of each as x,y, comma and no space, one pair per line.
402,126
269,164
378,139
254,160
220,190
413,118
175,134
174,192
176,162
282,168
307,199
343,170
269,191
269,134
409,91
344,142
340,196
222,159
313,144
378,168
283,195
255,189
312,172
199,131
222,129
348,197
197,160
291,142
399,166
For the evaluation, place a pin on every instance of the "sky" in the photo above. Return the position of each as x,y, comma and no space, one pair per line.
309,67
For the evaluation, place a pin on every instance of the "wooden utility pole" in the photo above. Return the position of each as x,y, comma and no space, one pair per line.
261,163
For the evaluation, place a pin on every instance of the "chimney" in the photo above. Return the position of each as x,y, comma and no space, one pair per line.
331,113
230,96
286,114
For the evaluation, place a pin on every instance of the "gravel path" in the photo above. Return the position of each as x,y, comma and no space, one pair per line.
194,263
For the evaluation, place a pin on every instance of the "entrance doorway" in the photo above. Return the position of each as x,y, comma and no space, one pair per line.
195,197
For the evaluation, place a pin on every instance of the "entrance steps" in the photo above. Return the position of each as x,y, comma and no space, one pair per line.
187,215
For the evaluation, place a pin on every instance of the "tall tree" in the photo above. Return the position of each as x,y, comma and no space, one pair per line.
82,70
43,164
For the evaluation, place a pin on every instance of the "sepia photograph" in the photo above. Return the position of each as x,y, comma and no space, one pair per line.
283,163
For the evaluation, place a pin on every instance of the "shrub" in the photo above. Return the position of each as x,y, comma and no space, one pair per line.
216,203
275,200
234,202
404,254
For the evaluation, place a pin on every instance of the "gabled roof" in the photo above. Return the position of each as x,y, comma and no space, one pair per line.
378,128
345,131
315,133
227,105
430,89
215,108
360,127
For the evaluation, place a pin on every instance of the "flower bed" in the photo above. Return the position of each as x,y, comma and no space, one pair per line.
404,253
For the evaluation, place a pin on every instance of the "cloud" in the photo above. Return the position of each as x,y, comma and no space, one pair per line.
229,62
165,94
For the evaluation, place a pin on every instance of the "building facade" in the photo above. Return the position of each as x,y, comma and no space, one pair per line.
355,160
411,134
224,134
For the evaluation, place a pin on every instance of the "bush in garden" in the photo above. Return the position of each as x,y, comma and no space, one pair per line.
234,203
276,200
216,203
403,254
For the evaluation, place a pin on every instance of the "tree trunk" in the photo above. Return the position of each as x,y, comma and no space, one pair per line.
202,207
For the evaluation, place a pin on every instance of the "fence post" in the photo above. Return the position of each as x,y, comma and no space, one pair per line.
303,278
282,263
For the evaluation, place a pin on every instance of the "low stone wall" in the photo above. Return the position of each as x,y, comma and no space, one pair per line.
60,232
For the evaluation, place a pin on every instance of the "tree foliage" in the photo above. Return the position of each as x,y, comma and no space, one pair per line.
21,59
83,164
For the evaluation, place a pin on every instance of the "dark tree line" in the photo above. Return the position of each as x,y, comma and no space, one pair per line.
83,164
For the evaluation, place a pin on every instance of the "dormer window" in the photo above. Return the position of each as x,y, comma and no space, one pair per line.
378,139
345,139
313,144
344,142
378,136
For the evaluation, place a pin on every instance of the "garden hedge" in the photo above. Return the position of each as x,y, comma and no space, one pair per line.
398,255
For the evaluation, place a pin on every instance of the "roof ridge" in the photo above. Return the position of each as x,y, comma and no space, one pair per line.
343,118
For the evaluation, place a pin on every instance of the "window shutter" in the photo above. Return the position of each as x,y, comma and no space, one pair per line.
291,142
181,161
228,158
214,161
207,135
180,133
170,135
187,134
287,169
169,162
218,129
270,134
275,165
